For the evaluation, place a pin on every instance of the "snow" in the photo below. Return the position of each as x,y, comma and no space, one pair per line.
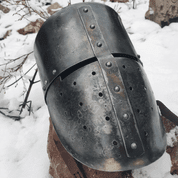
23,143
158,169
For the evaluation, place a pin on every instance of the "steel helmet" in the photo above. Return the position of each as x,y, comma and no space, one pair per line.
98,95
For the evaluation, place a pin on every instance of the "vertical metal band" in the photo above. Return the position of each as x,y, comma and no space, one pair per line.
114,83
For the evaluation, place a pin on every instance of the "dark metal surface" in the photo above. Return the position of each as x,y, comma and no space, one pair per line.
114,84
86,123
62,41
102,106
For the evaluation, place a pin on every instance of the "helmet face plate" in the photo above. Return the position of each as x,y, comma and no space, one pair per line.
85,119
102,107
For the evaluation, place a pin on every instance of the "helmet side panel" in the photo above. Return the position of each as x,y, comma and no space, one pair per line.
60,44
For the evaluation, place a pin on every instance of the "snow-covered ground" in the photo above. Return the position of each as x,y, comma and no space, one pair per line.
23,143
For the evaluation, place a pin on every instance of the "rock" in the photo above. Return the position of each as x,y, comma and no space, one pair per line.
4,9
32,27
52,8
58,168
162,12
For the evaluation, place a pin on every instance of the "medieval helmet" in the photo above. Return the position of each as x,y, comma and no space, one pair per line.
98,95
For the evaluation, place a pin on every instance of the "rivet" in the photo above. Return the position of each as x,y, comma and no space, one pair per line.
85,10
117,89
92,26
99,44
54,72
125,116
134,146
45,82
108,64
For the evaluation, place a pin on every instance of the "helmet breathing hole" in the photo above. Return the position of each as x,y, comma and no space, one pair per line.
107,118
152,108
124,66
145,133
131,88
100,94
93,73
61,94
80,104
85,127
74,83
114,143
138,110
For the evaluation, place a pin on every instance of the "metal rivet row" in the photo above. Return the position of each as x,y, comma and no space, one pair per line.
134,146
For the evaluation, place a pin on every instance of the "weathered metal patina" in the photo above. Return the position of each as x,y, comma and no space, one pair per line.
98,95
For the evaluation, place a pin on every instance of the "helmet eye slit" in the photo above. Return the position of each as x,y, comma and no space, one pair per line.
77,66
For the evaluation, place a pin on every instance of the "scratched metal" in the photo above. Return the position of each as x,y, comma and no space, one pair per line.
120,101
99,98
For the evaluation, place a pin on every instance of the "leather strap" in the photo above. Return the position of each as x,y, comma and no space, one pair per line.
69,161
167,113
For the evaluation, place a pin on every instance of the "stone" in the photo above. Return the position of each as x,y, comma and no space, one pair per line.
32,27
58,168
52,8
162,12
4,9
